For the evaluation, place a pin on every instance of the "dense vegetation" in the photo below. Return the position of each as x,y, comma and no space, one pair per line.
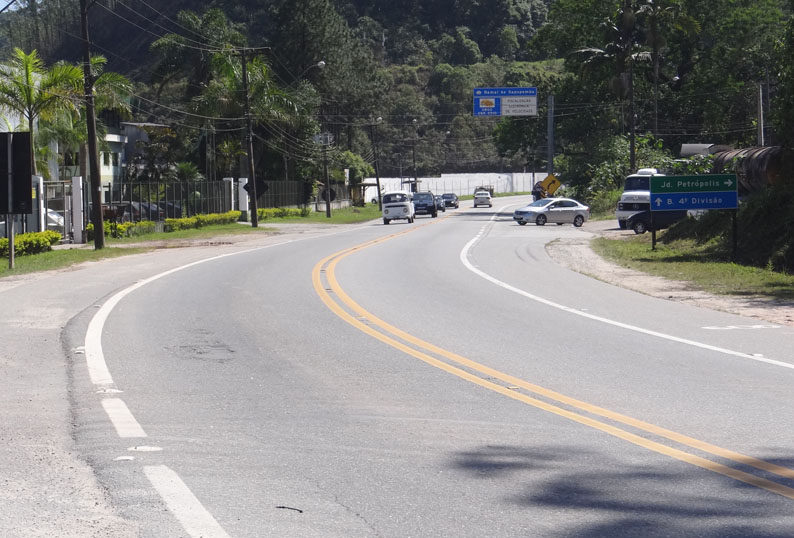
686,70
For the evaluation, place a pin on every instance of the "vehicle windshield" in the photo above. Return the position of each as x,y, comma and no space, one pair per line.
395,197
543,202
482,193
448,196
635,183
422,197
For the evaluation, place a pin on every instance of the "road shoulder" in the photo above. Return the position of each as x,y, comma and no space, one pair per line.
576,254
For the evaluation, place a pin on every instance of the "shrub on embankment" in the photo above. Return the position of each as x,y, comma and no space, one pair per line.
765,224
200,221
30,243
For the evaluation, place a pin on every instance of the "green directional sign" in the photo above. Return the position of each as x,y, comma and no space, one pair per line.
693,184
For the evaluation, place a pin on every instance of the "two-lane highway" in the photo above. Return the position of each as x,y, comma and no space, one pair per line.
440,378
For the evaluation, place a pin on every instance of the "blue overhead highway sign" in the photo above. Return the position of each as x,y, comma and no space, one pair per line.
505,101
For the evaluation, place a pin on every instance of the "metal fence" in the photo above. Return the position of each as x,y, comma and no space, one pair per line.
156,201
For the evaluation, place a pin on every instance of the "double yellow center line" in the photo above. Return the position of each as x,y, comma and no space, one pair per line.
335,298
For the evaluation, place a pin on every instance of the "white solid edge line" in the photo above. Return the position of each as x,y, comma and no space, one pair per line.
94,356
180,500
121,418
464,258
187,509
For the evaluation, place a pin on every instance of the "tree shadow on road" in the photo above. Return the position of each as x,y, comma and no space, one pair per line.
628,499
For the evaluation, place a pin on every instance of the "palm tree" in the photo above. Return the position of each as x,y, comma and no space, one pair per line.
657,15
112,92
34,91
622,51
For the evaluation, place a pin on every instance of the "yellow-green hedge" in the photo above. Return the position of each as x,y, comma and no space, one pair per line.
125,229
281,212
30,243
199,221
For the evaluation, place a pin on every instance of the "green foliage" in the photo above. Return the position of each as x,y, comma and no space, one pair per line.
282,212
596,174
124,229
783,114
359,168
30,243
765,225
199,221
34,91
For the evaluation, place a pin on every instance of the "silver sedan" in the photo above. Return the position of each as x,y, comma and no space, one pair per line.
557,210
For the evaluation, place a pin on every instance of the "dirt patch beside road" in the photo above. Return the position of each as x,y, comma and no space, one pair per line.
576,254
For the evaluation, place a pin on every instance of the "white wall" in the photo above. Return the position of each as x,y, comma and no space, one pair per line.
460,184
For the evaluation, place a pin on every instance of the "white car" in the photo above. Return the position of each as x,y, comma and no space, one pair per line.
398,205
482,198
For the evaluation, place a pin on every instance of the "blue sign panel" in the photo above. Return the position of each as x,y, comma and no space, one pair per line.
694,200
505,102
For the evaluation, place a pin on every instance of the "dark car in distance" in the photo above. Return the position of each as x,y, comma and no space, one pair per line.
641,222
425,204
450,199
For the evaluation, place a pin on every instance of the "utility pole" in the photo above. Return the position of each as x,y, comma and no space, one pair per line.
93,156
760,114
374,133
413,157
249,145
327,182
550,136
632,122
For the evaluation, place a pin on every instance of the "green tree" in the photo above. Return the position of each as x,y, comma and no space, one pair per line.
784,101
190,58
34,91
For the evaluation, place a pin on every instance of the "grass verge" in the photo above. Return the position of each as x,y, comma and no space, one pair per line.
58,259
346,215
700,264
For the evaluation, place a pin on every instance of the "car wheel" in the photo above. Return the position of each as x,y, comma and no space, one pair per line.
385,221
541,220
622,224
578,220
521,222
410,220
639,227
435,214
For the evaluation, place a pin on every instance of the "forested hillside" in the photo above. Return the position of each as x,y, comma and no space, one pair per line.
624,73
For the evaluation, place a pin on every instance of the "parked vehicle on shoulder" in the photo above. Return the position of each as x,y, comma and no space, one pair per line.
450,199
425,204
482,198
397,206
554,210
636,195
645,222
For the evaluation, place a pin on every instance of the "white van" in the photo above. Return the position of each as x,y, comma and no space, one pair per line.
398,205
636,195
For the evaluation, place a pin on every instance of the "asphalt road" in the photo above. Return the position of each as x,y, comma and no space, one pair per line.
440,378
